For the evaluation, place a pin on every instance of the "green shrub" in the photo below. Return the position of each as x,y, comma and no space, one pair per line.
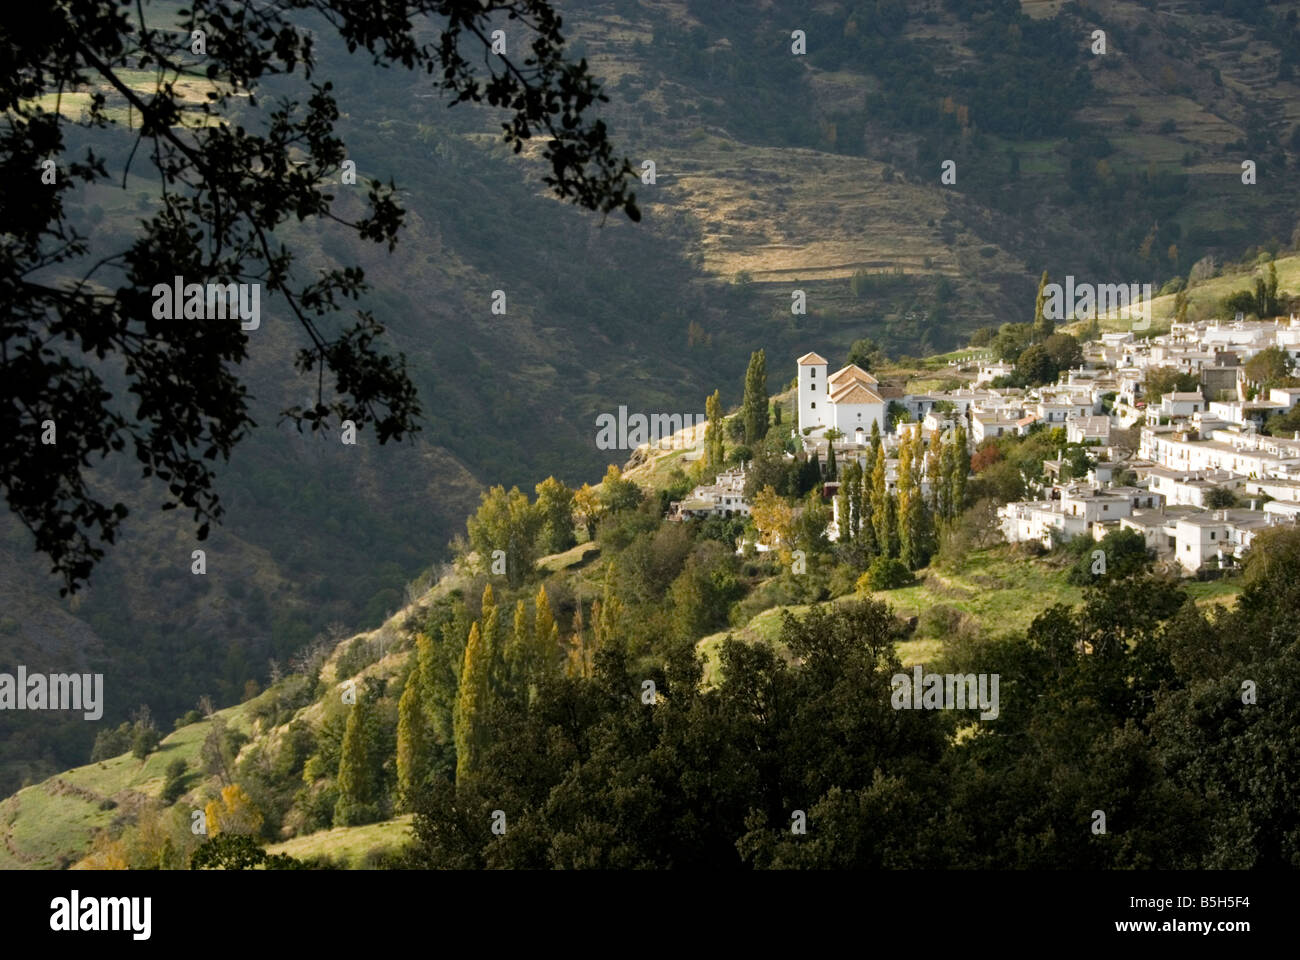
885,573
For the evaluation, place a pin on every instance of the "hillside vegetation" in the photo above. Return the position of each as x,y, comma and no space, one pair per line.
775,173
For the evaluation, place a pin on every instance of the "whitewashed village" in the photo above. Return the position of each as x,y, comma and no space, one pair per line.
1196,476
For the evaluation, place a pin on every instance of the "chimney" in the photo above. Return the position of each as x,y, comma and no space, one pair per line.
1252,504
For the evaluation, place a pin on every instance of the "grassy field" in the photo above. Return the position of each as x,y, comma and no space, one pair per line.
52,823
1205,296
349,845
993,592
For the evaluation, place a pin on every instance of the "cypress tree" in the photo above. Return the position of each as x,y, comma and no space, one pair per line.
882,510
812,474
713,445
754,405
866,519
842,501
830,460
852,482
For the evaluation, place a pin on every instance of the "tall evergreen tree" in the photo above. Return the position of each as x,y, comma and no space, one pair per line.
933,474
866,514
961,470
812,473
882,510
944,483
713,444
843,508
920,518
413,731
356,781
754,405
852,482
830,460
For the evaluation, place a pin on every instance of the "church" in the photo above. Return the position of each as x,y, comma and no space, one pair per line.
848,400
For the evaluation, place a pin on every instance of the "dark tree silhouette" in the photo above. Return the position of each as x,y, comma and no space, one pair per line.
79,342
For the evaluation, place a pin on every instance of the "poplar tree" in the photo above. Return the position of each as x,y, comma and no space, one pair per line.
416,727
490,632
754,405
443,683
355,777
934,474
519,654
472,704
907,495
830,460
546,637
882,510
713,445
944,484
961,470
412,738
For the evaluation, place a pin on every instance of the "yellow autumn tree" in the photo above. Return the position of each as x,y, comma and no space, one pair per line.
414,731
472,703
105,854
235,812
587,507
546,635
774,519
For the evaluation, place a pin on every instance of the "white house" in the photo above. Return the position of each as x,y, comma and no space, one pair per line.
725,497
846,400
1088,429
1205,539
1181,404
991,371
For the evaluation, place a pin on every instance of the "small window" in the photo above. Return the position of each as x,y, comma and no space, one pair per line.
813,404
1105,507
813,373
